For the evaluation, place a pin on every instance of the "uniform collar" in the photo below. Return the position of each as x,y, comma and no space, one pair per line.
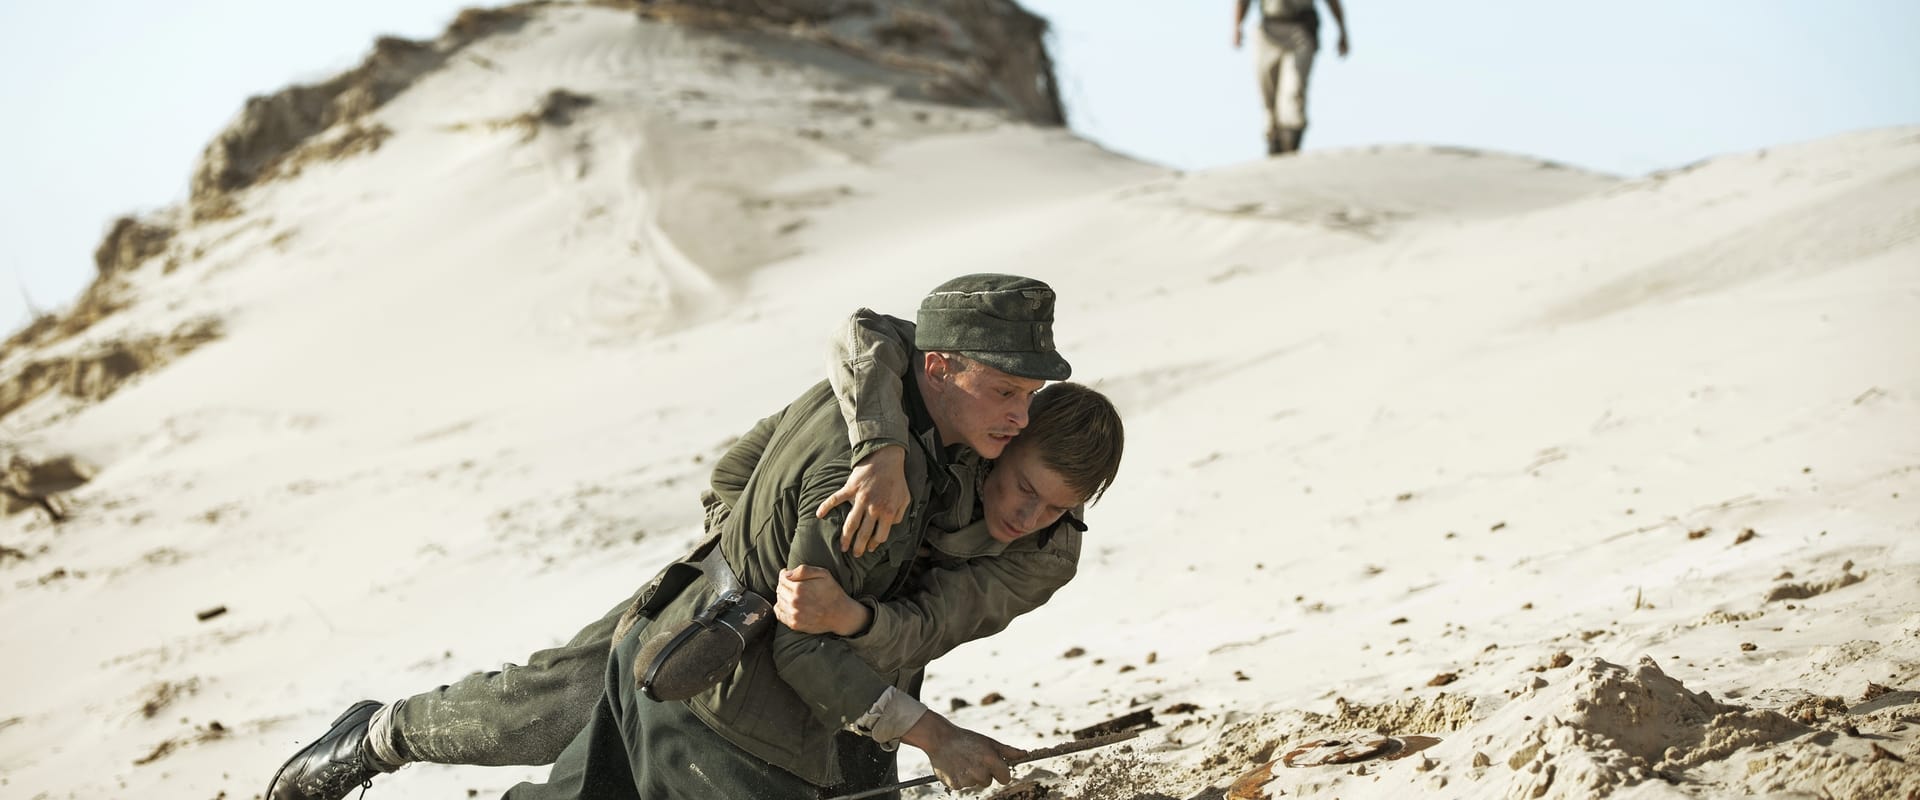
919,419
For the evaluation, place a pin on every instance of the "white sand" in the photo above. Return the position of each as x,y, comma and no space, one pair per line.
1394,413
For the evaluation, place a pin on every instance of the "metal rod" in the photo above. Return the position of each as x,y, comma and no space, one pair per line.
1032,755
892,787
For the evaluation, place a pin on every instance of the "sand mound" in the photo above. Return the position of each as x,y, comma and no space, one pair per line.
703,207
271,129
1644,712
1602,728
1614,726
984,52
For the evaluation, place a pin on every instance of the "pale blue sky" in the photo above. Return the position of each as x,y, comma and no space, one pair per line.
108,102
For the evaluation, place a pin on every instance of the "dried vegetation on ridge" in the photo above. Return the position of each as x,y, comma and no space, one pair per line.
975,52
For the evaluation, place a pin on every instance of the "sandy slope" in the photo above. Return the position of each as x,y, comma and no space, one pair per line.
1395,413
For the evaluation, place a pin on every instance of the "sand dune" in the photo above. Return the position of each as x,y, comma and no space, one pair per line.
1607,484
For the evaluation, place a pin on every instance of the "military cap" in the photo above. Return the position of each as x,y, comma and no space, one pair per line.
1002,321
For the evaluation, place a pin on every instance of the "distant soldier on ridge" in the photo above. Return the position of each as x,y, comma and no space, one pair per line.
1283,55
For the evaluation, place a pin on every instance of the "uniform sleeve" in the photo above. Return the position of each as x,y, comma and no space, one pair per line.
735,466
823,670
870,359
956,605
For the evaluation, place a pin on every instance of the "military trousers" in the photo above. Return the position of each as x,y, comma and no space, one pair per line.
633,748
527,715
520,715
1283,61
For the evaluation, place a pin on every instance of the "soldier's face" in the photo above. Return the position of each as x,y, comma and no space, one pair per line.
1022,495
981,407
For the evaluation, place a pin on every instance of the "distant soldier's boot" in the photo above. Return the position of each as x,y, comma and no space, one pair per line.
334,764
1273,143
1289,139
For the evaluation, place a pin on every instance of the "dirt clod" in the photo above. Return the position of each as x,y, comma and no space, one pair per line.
1137,719
1023,790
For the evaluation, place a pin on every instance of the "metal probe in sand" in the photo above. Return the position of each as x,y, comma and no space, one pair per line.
1032,755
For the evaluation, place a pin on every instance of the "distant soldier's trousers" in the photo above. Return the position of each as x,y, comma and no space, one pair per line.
1283,58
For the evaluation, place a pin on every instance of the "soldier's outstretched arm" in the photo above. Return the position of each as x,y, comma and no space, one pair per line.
845,691
963,759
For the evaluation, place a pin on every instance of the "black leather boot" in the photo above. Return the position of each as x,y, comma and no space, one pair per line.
1273,143
334,764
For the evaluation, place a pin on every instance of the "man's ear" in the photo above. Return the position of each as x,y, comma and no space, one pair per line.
937,367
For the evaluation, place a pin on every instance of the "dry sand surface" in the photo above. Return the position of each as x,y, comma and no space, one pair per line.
1604,487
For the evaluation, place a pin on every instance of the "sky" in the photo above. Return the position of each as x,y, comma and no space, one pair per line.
109,102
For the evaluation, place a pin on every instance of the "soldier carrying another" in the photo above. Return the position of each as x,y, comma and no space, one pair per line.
801,708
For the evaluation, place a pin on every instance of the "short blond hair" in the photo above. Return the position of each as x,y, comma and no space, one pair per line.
1079,435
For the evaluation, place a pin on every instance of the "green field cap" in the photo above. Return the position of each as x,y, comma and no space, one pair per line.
1002,321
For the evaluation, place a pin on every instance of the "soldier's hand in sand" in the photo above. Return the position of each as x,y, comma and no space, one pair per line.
961,758
877,490
810,601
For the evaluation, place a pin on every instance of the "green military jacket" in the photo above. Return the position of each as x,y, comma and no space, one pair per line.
930,588
970,585
967,586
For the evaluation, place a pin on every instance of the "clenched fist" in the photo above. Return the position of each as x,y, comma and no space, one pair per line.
810,601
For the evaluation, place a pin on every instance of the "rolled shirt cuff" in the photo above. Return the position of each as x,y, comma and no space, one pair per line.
890,718
873,444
